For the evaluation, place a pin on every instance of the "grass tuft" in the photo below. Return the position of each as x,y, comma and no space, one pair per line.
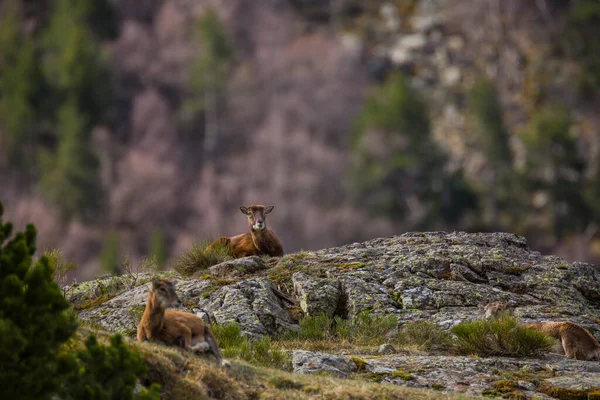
197,259
499,337
255,351
424,335
321,332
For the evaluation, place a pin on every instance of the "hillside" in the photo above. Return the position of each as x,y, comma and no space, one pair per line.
297,76
435,277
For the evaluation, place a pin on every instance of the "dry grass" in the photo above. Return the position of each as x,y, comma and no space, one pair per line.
197,259
183,375
189,377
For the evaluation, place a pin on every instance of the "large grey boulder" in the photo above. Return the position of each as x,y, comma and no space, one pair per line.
317,296
253,304
308,362
238,267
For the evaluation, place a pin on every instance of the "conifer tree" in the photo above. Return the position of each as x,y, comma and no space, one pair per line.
70,179
107,373
397,167
209,75
556,169
35,320
19,81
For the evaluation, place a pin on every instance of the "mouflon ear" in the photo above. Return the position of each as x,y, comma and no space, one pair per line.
244,210
155,283
269,209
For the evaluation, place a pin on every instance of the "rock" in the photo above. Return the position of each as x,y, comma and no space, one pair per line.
251,303
456,43
451,76
238,267
525,385
582,381
317,296
400,56
434,276
362,295
386,348
474,375
308,362
426,23
413,42
389,14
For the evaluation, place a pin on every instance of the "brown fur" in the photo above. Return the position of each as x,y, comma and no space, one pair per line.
495,309
574,341
257,242
174,328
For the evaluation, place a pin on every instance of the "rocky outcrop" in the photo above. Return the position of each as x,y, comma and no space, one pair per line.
490,376
308,362
436,276
251,303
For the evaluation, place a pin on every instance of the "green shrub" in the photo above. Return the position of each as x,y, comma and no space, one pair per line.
107,373
197,260
62,266
499,337
372,329
34,320
365,329
318,327
424,335
255,351
35,324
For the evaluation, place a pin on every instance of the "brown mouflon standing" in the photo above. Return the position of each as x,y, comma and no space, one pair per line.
259,241
171,327
574,341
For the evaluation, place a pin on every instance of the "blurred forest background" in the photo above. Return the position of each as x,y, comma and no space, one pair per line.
139,126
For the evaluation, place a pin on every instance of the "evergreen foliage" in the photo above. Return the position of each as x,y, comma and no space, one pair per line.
211,67
584,32
34,320
70,179
397,165
209,76
110,257
36,323
555,168
73,63
158,248
107,373
493,135
493,141
19,81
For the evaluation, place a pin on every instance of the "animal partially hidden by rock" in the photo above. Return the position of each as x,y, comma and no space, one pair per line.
573,341
171,327
496,309
259,241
